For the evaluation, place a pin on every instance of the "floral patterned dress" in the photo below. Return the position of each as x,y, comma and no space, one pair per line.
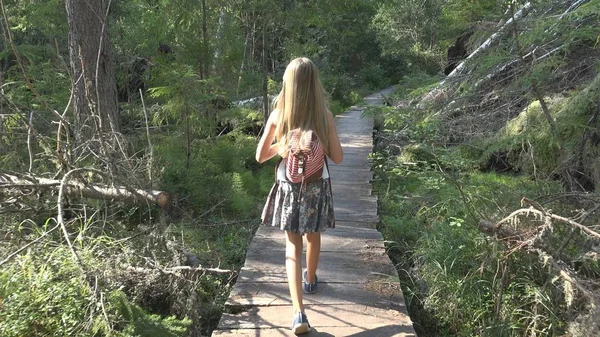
300,208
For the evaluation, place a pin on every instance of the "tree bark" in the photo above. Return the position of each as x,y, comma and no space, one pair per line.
243,65
218,38
95,91
265,71
76,188
205,60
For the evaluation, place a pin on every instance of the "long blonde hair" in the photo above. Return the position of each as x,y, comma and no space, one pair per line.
301,104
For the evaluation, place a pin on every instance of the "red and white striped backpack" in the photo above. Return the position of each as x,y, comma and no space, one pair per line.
306,157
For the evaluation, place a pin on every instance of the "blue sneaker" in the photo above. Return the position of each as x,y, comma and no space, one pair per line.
309,288
300,324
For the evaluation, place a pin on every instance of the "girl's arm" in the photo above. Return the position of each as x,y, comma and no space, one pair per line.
266,149
336,154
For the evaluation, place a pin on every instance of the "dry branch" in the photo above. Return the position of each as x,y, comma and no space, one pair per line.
15,253
563,270
527,211
77,188
180,269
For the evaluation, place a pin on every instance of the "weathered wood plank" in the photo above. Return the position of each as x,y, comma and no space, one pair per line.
334,267
357,217
329,243
338,233
356,316
390,330
350,206
384,295
358,176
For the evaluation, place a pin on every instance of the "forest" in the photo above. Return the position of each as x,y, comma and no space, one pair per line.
129,191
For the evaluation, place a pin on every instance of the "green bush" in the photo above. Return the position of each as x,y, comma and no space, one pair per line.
44,293
222,172
431,201
43,299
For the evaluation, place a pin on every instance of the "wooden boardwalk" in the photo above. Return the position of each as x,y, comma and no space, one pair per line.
359,293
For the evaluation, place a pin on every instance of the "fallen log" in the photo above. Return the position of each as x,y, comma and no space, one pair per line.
77,188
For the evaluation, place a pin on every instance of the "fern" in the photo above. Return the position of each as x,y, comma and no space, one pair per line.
139,323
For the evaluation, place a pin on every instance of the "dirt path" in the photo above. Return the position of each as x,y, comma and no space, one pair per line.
359,292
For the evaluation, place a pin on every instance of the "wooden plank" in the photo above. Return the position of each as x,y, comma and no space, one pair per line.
358,176
389,330
356,316
328,243
351,188
264,273
356,217
334,267
349,205
384,295
343,169
341,225
334,234
372,260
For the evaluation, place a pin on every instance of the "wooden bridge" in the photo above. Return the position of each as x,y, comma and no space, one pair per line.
359,292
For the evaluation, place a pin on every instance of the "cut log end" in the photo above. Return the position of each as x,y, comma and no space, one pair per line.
162,200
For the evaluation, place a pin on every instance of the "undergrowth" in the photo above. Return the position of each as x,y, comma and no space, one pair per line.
120,287
457,280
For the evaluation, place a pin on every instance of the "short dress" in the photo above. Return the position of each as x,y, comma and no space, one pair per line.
311,213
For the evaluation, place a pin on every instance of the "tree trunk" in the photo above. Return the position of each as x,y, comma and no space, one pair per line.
76,188
205,60
243,66
218,38
95,91
265,72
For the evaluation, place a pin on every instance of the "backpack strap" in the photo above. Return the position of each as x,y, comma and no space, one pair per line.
277,168
329,175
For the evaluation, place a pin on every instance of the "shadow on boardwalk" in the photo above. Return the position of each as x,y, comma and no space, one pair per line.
384,331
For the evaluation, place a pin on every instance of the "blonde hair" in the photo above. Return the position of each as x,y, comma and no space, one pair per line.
301,104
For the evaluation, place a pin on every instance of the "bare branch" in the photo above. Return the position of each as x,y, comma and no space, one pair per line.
531,210
10,256
180,269
580,283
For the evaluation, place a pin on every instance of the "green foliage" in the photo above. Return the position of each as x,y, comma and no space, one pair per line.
43,299
436,224
529,143
222,172
140,323
431,200
415,85
460,15
203,148
44,293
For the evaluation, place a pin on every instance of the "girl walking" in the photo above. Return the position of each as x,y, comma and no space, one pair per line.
300,208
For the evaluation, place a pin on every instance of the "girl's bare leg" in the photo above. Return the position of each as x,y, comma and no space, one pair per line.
293,266
313,250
